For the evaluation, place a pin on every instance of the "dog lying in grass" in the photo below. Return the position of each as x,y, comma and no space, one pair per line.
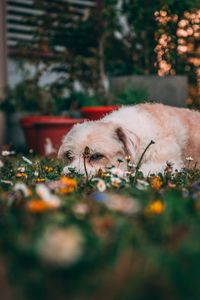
127,132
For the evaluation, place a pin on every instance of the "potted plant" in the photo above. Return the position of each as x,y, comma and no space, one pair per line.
91,107
94,108
37,111
75,55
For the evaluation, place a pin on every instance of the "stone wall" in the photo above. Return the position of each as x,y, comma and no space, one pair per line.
171,90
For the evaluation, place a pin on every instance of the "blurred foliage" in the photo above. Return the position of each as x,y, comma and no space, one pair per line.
147,253
126,96
24,96
29,96
113,38
131,96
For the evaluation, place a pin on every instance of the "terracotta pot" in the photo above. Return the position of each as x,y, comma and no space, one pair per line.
97,112
41,132
27,124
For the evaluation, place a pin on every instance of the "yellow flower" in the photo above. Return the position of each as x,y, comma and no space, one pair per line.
38,206
115,182
68,185
101,173
21,175
156,182
65,190
48,169
40,180
157,207
68,181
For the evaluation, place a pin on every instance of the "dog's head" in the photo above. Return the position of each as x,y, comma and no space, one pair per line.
106,143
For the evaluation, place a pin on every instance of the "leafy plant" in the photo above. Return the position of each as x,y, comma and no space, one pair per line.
131,96
29,96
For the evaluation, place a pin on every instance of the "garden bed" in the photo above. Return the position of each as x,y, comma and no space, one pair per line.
109,237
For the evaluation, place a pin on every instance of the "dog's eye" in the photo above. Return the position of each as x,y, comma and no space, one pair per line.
68,155
96,156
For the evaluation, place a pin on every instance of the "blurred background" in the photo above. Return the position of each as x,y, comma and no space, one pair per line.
57,57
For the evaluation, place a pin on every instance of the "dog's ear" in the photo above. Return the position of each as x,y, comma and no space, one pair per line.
129,140
60,153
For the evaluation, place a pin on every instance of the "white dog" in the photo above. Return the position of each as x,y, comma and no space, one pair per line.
127,132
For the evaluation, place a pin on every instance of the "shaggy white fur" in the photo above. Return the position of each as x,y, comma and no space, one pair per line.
127,132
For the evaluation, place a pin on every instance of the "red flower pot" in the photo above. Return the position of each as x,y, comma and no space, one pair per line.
27,124
97,112
41,129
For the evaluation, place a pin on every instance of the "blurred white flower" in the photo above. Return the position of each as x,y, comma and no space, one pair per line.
117,172
61,246
77,86
21,169
81,208
118,35
20,186
115,181
122,204
142,185
1,164
36,173
46,195
5,153
101,185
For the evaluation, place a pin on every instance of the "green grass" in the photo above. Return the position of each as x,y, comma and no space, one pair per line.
138,239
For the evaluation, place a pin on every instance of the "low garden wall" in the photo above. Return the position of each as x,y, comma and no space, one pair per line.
171,90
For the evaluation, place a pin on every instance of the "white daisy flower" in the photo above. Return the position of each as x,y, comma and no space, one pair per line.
115,181
101,185
117,172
